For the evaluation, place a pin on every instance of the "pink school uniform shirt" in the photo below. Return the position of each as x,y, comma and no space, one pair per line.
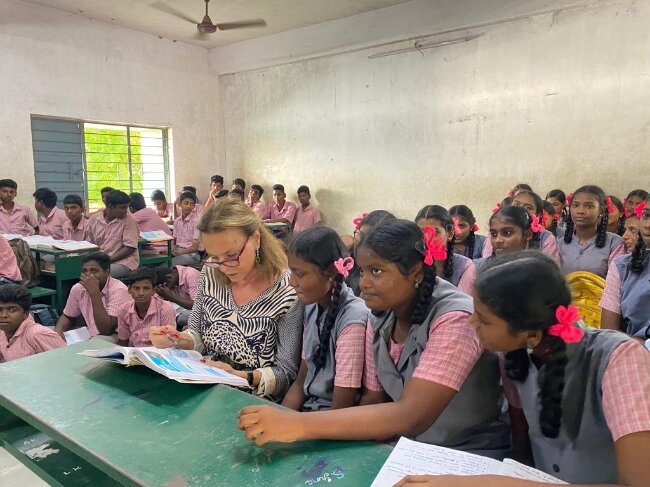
259,208
305,218
78,234
288,211
188,282
167,213
8,264
112,236
185,231
135,329
149,221
30,338
115,296
52,224
19,220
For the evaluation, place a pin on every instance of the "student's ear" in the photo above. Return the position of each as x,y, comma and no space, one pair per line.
528,235
533,337
417,273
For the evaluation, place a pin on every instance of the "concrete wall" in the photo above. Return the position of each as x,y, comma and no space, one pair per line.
63,65
554,93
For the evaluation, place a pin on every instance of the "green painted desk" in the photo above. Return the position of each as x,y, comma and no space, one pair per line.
135,427
149,259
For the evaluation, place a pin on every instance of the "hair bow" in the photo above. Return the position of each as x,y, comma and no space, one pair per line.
457,230
475,228
569,197
434,249
535,226
496,208
566,316
638,209
510,193
556,216
344,266
611,208
357,221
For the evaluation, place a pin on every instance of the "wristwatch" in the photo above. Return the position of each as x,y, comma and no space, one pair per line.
249,378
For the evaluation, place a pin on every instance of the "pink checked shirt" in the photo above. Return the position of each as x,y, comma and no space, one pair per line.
466,281
305,218
149,221
185,231
611,298
131,327
79,234
450,354
30,338
52,224
20,220
115,296
258,208
549,247
114,235
188,282
287,212
8,264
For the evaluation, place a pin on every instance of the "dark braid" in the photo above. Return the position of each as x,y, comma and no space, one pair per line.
469,244
568,231
330,319
439,213
551,385
516,364
449,261
423,298
601,230
638,256
553,227
620,229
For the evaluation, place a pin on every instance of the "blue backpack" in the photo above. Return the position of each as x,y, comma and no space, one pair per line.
44,314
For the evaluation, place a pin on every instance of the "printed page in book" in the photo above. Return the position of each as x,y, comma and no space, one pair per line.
156,236
119,355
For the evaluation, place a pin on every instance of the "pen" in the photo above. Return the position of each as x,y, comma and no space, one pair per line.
172,337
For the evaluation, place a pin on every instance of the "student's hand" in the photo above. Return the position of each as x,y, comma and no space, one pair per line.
163,291
263,424
90,283
158,336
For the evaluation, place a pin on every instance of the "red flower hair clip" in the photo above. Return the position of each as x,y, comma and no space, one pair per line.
638,209
611,208
569,197
434,248
357,221
566,317
510,193
496,208
556,216
344,265
475,228
457,230
535,226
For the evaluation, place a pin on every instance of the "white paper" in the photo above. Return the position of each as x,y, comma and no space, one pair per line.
77,335
73,245
512,468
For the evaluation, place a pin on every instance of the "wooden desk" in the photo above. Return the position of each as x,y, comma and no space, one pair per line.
135,427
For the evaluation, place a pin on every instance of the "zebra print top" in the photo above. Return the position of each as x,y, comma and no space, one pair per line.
266,332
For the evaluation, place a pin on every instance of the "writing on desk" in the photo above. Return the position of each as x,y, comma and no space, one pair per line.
328,477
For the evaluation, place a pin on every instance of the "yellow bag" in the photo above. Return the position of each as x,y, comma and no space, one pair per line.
587,289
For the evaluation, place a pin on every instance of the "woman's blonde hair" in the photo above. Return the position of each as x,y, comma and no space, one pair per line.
230,213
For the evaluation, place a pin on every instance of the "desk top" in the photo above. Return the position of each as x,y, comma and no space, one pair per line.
144,429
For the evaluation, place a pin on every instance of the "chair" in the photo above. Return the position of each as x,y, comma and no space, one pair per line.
587,289
41,292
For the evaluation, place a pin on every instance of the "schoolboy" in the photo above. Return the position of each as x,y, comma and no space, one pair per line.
51,219
20,335
239,183
76,227
9,269
307,215
97,297
145,310
281,210
186,235
254,200
103,193
14,218
116,233
181,283
216,185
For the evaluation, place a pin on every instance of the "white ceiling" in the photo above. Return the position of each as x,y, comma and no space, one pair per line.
157,17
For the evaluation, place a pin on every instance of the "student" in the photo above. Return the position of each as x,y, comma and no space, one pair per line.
307,215
163,209
335,323
198,207
116,233
97,297
550,218
633,199
14,218
237,193
580,398
557,198
238,183
186,236
535,207
180,287
425,376
9,269
51,218
148,220
20,335
254,200
454,268
510,231
145,310
587,245
280,210
222,194
631,234
216,185
517,188
76,227
626,299
467,243
103,193
616,212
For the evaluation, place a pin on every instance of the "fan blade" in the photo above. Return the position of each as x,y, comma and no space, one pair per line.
163,7
201,36
242,24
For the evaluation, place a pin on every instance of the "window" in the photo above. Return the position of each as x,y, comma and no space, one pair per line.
74,156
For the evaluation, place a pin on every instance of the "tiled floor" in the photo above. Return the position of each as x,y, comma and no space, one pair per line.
15,474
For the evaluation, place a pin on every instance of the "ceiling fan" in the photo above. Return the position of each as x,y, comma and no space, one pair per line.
206,26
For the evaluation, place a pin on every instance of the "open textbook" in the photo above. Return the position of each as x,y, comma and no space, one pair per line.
174,363
414,458
156,236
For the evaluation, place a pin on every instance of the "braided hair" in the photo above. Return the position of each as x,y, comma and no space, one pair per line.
539,212
524,289
519,217
550,209
401,242
601,228
559,195
639,254
321,246
466,214
439,213
620,226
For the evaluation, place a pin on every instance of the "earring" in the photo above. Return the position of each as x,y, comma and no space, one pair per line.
258,259
417,285
529,347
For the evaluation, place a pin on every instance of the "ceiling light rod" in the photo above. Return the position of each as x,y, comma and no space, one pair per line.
418,46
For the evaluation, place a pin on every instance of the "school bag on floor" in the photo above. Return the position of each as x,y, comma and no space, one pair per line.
26,262
44,314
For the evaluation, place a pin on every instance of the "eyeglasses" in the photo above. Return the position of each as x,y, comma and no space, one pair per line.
234,262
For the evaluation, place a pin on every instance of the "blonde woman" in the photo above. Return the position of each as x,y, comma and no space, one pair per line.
245,316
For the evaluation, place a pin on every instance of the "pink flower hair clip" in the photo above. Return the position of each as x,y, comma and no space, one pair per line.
638,209
611,208
496,208
535,226
434,248
510,193
475,228
344,265
556,216
569,197
357,221
566,317
457,230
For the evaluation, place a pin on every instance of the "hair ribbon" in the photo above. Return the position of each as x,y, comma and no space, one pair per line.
475,228
357,221
344,265
434,249
510,193
457,230
569,197
566,316
638,209
611,208
496,208
535,226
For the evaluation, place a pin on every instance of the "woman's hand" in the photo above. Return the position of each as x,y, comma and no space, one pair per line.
263,424
159,336
226,368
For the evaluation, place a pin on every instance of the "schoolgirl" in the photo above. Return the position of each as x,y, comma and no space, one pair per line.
467,242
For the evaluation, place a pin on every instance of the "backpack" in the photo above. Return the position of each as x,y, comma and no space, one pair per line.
26,262
44,314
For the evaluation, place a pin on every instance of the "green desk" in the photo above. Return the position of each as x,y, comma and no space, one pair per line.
131,426
150,259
